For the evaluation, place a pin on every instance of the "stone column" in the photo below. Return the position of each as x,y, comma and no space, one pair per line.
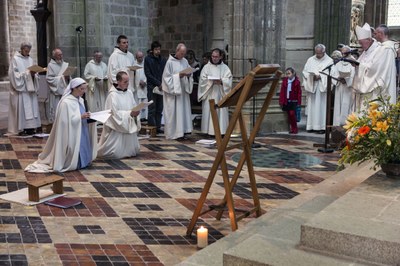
4,40
41,14
219,11
375,12
332,23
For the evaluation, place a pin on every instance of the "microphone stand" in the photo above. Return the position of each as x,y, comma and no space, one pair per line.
325,148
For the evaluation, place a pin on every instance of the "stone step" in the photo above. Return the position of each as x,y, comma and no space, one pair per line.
273,238
363,224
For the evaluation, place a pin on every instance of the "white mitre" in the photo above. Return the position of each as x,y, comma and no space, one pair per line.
364,32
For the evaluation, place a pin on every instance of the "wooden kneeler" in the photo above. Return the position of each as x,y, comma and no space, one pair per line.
34,185
248,87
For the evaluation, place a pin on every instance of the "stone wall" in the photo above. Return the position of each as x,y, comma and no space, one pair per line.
102,21
22,25
175,21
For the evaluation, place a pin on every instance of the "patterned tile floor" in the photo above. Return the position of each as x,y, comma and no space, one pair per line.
135,211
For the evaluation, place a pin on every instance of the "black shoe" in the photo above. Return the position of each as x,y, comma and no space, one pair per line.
320,132
160,131
310,131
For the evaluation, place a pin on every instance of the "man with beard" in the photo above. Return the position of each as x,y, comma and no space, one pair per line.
120,60
315,84
23,115
57,82
119,136
214,83
96,76
154,65
376,74
177,87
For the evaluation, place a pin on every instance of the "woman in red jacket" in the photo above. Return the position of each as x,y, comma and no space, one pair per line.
290,97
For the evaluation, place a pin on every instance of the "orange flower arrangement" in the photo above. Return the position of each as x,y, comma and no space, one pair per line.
373,134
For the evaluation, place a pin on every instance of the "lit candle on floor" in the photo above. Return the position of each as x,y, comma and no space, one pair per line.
202,237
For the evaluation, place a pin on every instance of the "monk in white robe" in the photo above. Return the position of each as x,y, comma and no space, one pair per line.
376,74
141,83
120,60
119,136
23,107
71,144
211,88
344,95
315,84
57,82
177,88
96,76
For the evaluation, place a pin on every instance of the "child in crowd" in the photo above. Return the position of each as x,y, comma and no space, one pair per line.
290,97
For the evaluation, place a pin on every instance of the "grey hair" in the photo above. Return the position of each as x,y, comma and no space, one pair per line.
320,46
179,46
26,44
53,53
346,48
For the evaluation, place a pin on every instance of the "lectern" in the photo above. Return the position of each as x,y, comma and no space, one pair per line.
248,87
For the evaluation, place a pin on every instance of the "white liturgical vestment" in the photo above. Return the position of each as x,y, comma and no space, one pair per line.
375,76
208,90
177,108
23,107
97,89
316,91
119,136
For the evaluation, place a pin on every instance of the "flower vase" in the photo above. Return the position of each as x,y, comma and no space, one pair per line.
392,170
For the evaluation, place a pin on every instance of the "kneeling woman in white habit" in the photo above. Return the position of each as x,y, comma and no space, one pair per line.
71,144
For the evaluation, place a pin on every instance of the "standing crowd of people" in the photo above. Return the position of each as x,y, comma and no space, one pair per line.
117,87
128,80
355,79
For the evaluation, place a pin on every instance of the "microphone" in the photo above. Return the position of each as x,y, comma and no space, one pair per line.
350,61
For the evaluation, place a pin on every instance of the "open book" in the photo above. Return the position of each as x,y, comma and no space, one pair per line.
37,69
188,70
101,116
141,106
133,68
213,78
206,142
69,71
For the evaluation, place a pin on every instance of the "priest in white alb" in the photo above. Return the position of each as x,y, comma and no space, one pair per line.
57,82
72,143
120,60
214,83
119,136
141,83
177,87
96,75
344,72
376,74
315,85
23,115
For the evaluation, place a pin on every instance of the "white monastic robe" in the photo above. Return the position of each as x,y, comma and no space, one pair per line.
316,91
120,61
23,107
119,136
208,90
177,109
141,91
392,45
375,76
61,152
97,89
57,85
343,93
